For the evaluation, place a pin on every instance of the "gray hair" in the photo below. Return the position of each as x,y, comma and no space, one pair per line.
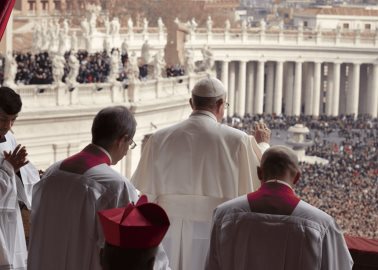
112,123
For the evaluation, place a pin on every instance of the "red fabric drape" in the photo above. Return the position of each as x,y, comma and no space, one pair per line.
364,252
6,7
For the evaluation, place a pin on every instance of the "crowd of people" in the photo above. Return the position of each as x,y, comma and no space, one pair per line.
345,188
94,68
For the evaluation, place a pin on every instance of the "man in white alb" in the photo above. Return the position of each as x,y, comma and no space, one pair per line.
192,167
272,228
17,176
65,232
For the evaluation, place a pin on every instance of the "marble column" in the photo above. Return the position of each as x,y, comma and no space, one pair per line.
364,85
51,6
277,108
297,89
329,97
317,87
309,88
259,98
353,91
269,88
289,86
343,88
372,105
241,87
224,76
38,7
231,89
336,89
250,87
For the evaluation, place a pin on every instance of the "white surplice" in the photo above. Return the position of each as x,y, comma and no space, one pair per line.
13,253
66,233
308,239
189,169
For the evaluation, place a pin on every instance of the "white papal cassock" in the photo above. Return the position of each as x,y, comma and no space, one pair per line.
189,169
65,232
13,253
301,237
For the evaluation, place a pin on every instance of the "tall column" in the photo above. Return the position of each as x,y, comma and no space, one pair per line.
297,89
24,7
364,86
269,88
343,88
329,97
372,106
277,108
250,87
289,86
317,86
224,76
242,86
336,89
38,7
353,91
259,98
231,92
51,6
309,88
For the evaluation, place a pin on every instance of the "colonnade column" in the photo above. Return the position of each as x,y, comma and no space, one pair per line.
242,86
269,88
317,85
336,89
38,7
297,89
277,107
289,84
250,87
231,90
224,76
51,6
309,88
372,106
259,100
329,97
353,91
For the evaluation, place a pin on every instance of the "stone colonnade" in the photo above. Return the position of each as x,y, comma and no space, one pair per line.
300,87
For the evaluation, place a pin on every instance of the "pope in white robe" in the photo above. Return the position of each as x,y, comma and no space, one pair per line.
273,229
192,167
13,189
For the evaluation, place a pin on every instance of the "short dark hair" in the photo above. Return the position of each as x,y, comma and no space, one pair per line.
10,101
111,123
116,258
277,160
205,102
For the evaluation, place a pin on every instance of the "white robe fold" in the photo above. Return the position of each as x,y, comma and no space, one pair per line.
189,169
307,239
13,253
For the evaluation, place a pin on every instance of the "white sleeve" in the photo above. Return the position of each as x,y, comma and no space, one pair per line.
8,189
161,259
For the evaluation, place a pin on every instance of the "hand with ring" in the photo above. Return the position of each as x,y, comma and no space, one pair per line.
262,133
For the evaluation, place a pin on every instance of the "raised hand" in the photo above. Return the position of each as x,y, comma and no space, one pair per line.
261,132
17,158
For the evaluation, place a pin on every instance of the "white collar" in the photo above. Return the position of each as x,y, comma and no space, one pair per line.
207,113
280,182
103,150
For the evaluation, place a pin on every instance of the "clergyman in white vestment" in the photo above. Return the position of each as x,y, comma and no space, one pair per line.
192,167
65,232
17,177
273,229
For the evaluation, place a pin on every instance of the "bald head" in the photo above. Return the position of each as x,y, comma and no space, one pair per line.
279,162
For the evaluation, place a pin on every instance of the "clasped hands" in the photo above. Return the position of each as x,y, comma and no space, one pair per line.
17,158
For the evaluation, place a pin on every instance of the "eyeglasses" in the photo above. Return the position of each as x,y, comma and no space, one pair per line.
132,144
226,105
